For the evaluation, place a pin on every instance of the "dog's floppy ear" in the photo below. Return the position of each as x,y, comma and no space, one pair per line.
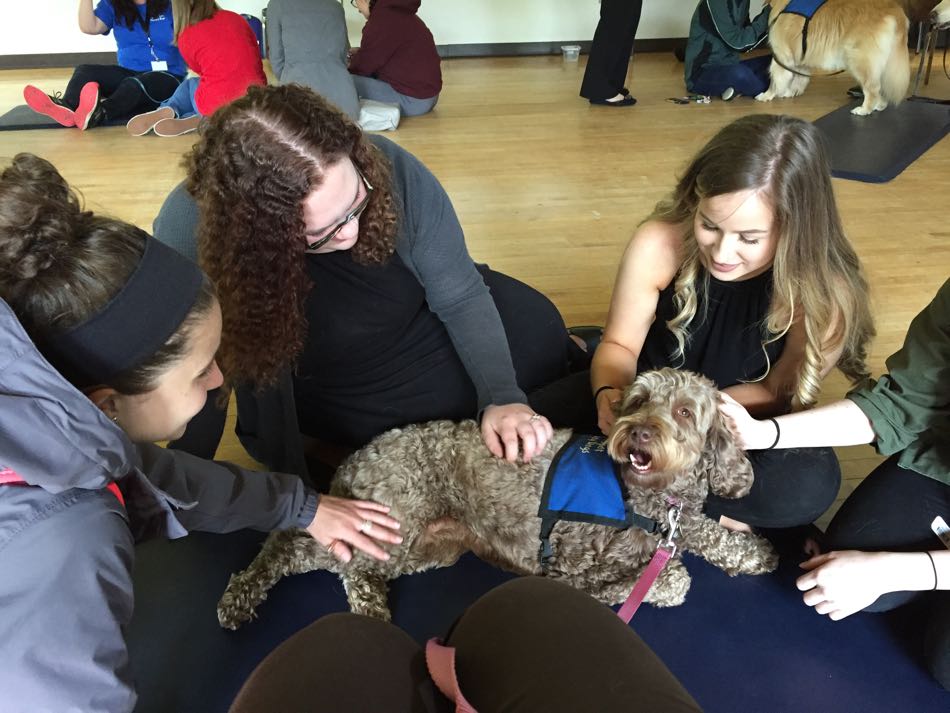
729,471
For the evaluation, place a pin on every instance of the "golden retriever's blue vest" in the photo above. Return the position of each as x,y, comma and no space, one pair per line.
806,9
584,484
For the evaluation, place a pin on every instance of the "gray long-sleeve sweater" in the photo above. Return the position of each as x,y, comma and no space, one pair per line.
431,244
307,44
67,544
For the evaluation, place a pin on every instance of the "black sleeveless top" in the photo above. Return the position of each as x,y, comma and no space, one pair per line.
724,340
371,339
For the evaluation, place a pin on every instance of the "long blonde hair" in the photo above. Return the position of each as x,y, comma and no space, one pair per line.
188,12
817,277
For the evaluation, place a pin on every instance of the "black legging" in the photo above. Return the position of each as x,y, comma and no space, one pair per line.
610,49
123,92
891,511
791,487
530,645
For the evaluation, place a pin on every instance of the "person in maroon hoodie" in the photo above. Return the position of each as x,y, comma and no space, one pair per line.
397,62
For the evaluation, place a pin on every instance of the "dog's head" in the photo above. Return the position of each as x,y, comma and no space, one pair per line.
668,426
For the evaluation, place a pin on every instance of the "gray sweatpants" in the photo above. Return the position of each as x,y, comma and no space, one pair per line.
378,90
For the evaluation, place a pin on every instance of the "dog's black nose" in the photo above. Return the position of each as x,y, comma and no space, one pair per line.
641,435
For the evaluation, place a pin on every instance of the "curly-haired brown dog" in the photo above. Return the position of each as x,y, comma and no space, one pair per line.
452,495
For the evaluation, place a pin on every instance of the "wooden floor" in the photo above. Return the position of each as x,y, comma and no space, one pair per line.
549,188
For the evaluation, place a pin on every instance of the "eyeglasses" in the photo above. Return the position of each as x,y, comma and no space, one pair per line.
352,215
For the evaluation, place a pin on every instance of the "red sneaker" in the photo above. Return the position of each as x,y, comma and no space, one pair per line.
44,104
88,103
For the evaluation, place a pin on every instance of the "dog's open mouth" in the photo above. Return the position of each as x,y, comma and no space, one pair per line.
640,461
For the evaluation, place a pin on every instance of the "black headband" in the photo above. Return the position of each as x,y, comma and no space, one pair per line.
134,324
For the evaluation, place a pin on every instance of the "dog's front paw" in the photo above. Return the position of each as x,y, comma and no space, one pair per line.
755,555
765,96
670,587
861,111
235,606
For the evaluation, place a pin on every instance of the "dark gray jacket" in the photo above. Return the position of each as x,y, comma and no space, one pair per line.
719,31
67,544
307,44
431,244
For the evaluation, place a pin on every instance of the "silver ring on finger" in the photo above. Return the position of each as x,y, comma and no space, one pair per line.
365,527
535,417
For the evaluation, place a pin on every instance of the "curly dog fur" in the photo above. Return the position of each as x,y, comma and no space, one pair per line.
451,495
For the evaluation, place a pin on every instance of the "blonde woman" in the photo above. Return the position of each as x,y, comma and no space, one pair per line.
745,275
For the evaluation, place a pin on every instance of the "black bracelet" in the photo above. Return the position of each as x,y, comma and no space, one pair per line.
604,388
934,566
778,434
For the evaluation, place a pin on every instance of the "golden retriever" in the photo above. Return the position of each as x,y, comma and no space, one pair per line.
868,38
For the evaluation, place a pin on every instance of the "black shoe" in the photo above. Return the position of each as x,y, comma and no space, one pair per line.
58,100
625,91
626,101
856,92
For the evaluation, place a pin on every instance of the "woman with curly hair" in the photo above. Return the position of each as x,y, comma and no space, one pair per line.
744,275
351,304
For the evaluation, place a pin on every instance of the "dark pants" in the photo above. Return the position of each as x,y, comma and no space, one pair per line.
749,77
123,92
791,487
891,511
529,645
541,351
610,49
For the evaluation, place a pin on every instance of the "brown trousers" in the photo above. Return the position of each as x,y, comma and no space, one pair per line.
529,645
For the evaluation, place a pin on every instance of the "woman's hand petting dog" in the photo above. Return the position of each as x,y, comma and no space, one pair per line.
503,427
750,433
340,524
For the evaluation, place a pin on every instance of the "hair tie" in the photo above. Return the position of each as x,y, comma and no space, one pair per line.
778,433
934,568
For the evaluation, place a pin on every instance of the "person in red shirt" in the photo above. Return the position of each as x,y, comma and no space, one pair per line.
221,48
397,62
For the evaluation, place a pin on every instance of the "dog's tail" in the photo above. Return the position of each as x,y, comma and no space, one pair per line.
896,77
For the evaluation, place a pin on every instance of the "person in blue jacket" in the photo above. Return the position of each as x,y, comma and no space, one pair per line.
719,33
86,387
149,67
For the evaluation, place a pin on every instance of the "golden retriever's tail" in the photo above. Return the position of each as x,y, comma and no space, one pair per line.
896,77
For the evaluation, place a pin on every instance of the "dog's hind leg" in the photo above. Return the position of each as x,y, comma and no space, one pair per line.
367,593
733,552
867,64
283,553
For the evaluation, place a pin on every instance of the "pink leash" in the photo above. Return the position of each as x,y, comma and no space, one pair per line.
664,551
440,659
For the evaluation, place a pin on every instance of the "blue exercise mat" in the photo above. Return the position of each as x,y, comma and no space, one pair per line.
878,147
738,644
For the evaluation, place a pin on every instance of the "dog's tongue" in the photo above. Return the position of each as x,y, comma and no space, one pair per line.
639,458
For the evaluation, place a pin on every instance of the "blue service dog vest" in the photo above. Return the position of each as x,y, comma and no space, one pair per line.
584,484
805,8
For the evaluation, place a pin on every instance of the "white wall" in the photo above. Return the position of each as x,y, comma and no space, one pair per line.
451,22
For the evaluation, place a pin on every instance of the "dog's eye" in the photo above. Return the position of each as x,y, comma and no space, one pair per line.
684,412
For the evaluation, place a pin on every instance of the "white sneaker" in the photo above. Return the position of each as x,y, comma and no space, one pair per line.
728,94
